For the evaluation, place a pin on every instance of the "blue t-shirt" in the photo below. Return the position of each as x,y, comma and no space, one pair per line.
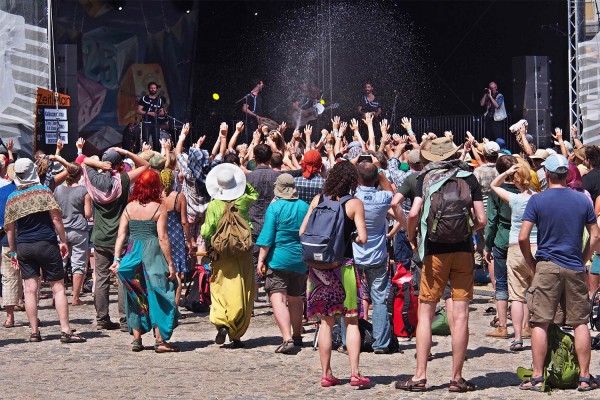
280,232
5,191
377,203
560,216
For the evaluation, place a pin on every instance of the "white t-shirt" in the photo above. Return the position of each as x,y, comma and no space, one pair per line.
517,203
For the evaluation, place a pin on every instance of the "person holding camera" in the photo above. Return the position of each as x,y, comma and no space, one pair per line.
495,110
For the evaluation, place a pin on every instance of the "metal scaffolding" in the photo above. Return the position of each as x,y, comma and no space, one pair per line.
575,24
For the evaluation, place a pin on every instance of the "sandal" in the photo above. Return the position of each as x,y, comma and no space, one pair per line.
516,345
164,347
137,345
342,349
7,325
461,386
591,384
495,322
533,384
19,307
327,381
35,337
359,380
71,338
490,311
298,341
412,386
286,347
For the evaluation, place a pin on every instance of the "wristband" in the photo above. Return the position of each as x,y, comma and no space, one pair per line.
410,131
11,254
117,259
379,171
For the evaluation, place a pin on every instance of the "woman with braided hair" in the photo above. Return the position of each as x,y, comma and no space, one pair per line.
178,227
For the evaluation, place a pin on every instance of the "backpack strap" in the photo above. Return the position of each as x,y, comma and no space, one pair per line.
405,307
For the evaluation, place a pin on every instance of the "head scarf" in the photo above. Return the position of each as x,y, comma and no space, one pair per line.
311,163
167,178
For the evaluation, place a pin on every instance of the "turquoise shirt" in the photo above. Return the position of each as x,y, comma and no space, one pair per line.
280,233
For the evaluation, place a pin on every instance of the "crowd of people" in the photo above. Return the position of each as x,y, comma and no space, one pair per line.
157,213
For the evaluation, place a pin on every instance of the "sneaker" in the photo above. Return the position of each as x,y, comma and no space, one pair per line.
108,325
500,332
124,327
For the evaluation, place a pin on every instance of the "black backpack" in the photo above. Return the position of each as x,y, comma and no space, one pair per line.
595,310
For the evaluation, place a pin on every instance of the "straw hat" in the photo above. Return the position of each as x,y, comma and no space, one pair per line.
441,149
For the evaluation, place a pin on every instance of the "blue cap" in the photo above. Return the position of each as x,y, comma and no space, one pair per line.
554,162
501,143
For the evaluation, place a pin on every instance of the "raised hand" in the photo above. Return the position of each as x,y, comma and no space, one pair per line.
558,134
354,125
165,144
79,144
335,123
385,138
296,134
368,119
146,147
343,127
406,123
239,127
11,143
185,129
223,129
384,126
59,146
256,137
200,141
574,132
282,128
449,135
308,130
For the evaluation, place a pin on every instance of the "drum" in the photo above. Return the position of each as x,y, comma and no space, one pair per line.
272,125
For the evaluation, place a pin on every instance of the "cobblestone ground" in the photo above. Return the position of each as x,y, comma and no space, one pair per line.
105,367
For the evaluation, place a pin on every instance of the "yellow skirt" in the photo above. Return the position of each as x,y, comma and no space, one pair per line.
232,293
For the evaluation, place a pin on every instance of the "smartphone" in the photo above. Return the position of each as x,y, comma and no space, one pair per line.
364,157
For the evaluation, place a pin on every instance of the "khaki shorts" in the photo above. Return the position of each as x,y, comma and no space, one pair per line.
439,268
11,281
520,275
281,281
554,285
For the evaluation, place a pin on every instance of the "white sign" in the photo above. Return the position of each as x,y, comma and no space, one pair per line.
51,137
52,113
63,126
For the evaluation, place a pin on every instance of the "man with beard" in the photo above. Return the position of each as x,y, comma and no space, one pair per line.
153,108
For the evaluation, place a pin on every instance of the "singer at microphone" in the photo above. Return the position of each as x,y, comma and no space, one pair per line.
153,109
252,108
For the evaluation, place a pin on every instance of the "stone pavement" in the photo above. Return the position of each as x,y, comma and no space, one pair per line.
105,367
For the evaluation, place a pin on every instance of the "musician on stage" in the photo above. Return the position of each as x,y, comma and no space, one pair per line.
153,109
368,102
252,107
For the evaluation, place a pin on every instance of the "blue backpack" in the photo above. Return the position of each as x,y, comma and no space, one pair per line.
323,244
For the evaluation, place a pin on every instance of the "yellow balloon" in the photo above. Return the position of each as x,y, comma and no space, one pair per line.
322,101
216,96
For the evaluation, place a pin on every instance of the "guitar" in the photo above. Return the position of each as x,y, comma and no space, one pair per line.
303,117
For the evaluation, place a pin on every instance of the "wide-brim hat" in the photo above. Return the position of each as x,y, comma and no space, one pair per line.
226,182
441,149
285,187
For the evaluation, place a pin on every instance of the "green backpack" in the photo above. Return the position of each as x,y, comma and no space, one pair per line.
561,368
440,325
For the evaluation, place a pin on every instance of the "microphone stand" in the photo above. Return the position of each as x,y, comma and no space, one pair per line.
394,110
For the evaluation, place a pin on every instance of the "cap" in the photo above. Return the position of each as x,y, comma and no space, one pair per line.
491,148
540,154
556,163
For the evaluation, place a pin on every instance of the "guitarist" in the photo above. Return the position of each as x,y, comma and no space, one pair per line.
303,109
252,107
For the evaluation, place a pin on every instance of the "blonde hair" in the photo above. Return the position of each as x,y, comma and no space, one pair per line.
167,178
522,178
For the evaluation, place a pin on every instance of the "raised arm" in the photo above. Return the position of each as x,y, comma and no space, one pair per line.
499,180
